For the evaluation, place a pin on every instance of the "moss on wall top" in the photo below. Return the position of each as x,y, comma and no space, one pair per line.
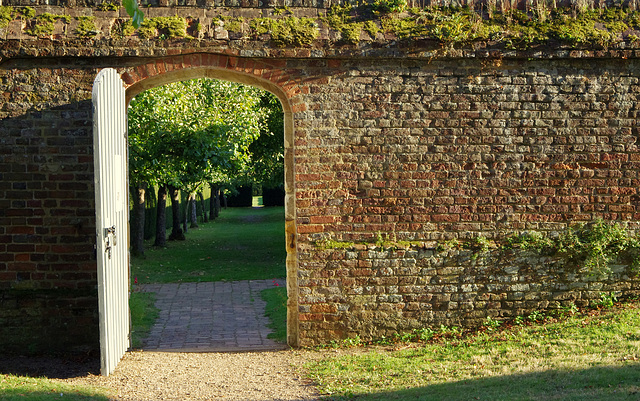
376,28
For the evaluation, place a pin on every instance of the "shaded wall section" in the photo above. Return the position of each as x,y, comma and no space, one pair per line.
48,301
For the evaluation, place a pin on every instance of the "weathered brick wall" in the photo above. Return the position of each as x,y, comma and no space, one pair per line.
48,299
375,292
429,151
390,141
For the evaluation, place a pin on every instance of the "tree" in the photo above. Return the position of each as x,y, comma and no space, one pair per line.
267,151
186,134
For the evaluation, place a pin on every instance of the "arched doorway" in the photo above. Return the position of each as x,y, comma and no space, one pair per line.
265,77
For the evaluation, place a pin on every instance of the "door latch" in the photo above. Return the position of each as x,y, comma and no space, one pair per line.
110,239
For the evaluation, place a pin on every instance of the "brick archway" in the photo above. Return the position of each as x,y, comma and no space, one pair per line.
269,76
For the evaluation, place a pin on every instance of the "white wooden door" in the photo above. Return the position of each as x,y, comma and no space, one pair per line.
110,165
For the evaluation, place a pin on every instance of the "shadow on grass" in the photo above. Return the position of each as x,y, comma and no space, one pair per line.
597,383
49,366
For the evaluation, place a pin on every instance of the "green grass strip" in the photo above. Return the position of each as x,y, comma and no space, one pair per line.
276,311
143,315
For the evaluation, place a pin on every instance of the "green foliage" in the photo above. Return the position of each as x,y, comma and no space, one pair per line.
260,26
137,17
290,31
606,301
6,15
276,311
86,27
293,31
231,24
194,132
388,6
122,29
143,316
108,6
267,150
44,24
164,27
594,246
491,324
589,247
339,18
371,28
331,244
27,12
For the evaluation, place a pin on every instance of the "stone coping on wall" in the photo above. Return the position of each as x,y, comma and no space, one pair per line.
210,37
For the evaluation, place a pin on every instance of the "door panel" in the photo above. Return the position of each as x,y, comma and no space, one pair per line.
110,167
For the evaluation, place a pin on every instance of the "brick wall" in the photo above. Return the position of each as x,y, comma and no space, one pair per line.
428,151
405,146
47,217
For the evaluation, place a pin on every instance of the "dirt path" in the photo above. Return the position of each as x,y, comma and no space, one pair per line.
146,376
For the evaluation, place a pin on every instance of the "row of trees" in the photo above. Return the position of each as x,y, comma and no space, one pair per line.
186,135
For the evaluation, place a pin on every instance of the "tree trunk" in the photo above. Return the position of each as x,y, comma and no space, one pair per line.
194,212
205,219
176,231
214,202
186,213
161,217
137,242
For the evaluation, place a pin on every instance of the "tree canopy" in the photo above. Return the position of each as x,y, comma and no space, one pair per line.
193,132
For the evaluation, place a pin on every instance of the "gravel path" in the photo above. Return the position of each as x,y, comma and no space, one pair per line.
259,376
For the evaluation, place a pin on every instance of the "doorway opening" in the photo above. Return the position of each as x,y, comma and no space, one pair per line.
233,147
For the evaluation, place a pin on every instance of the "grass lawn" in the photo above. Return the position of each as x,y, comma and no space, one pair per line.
276,311
143,315
41,389
241,244
585,357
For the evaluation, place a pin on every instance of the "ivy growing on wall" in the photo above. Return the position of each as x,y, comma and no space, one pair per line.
593,248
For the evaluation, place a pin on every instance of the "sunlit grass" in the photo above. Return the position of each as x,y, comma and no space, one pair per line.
42,389
583,357
241,244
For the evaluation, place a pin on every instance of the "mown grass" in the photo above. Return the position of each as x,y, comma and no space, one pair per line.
22,388
143,315
241,244
276,311
585,357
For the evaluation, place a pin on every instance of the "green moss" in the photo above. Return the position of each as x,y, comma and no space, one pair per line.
404,28
581,31
122,28
27,12
340,19
163,28
332,244
234,24
44,24
293,31
86,27
371,28
6,15
260,26
108,6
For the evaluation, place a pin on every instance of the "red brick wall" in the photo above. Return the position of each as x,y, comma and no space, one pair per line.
413,149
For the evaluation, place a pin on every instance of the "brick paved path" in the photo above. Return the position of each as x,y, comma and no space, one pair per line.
210,317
